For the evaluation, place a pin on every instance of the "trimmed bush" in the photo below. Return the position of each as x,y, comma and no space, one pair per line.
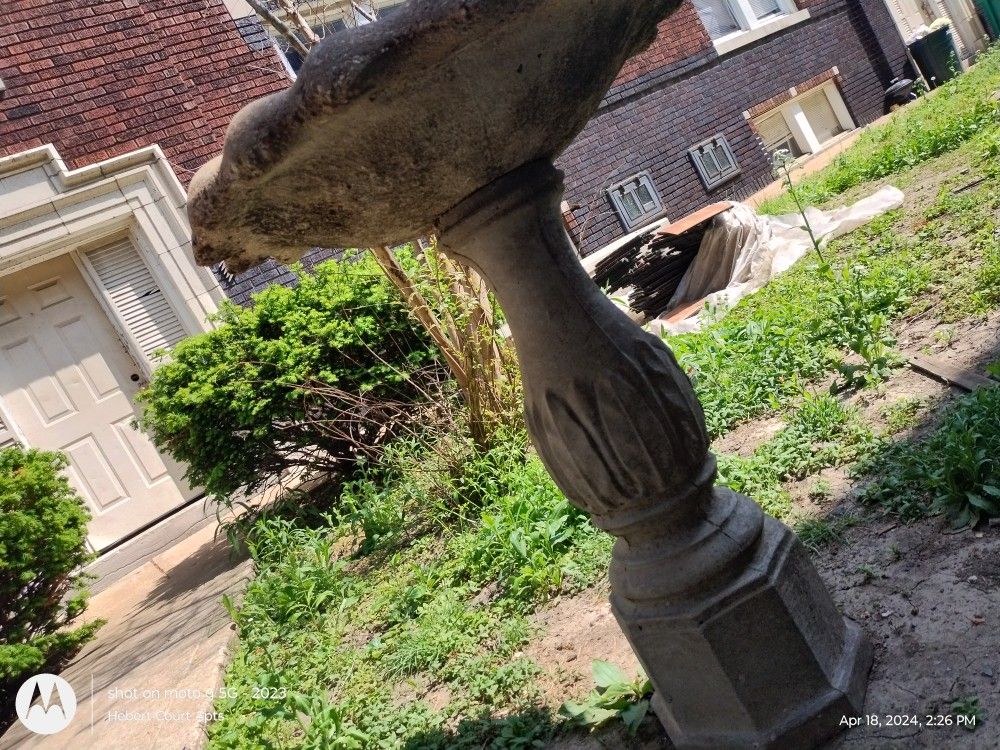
298,380
43,530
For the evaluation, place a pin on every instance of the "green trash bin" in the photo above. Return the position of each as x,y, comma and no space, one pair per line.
989,11
936,56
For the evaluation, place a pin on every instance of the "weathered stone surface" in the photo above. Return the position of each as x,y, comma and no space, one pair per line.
723,608
391,124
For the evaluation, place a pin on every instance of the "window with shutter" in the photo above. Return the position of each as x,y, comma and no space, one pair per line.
821,116
635,200
776,135
142,308
803,124
714,161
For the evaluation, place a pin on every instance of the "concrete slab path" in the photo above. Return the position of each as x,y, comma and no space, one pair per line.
146,682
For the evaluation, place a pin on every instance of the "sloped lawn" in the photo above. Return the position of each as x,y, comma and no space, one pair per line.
426,603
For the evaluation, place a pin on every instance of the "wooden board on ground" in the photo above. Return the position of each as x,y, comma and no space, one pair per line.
963,378
684,312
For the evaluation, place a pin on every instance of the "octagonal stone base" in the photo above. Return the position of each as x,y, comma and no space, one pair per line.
765,661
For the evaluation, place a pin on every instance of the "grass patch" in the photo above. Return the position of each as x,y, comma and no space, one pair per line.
400,622
819,433
902,414
759,356
955,470
817,532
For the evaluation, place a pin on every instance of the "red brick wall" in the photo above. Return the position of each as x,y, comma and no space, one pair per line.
680,36
99,78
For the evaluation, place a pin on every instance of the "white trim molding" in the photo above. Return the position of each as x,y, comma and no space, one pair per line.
47,210
733,42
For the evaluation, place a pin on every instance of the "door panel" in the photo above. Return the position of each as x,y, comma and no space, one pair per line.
68,383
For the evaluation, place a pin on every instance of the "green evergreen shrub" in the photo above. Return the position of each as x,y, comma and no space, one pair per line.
43,530
297,380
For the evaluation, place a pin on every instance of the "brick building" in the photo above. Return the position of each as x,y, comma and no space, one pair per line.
689,121
107,107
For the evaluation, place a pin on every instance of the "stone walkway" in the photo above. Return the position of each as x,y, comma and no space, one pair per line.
145,682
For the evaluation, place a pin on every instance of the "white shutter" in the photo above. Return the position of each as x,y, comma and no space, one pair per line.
765,8
906,21
6,436
137,298
821,116
776,135
773,131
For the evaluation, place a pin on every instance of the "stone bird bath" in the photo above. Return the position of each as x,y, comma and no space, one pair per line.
446,118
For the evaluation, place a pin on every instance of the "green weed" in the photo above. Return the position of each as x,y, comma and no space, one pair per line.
819,433
821,489
901,414
817,532
616,696
970,709
954,471
869,574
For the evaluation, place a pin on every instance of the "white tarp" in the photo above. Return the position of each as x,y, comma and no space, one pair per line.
742,251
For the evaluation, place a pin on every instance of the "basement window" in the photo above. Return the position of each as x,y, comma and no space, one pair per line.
714,161
805,124
636,200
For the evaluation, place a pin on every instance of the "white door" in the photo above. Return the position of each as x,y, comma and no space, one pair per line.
67,383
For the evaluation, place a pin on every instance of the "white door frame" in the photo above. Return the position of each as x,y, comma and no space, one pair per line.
48,210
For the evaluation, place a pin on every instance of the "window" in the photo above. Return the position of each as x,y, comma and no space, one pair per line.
635,200
804,124
820,116
714,161
777,136
723,18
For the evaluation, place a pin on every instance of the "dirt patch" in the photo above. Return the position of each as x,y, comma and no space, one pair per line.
574,632
820,493
743,439
928,599
970,343
906,386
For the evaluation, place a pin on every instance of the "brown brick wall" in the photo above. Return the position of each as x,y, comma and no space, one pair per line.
680,36
800,88
99,78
